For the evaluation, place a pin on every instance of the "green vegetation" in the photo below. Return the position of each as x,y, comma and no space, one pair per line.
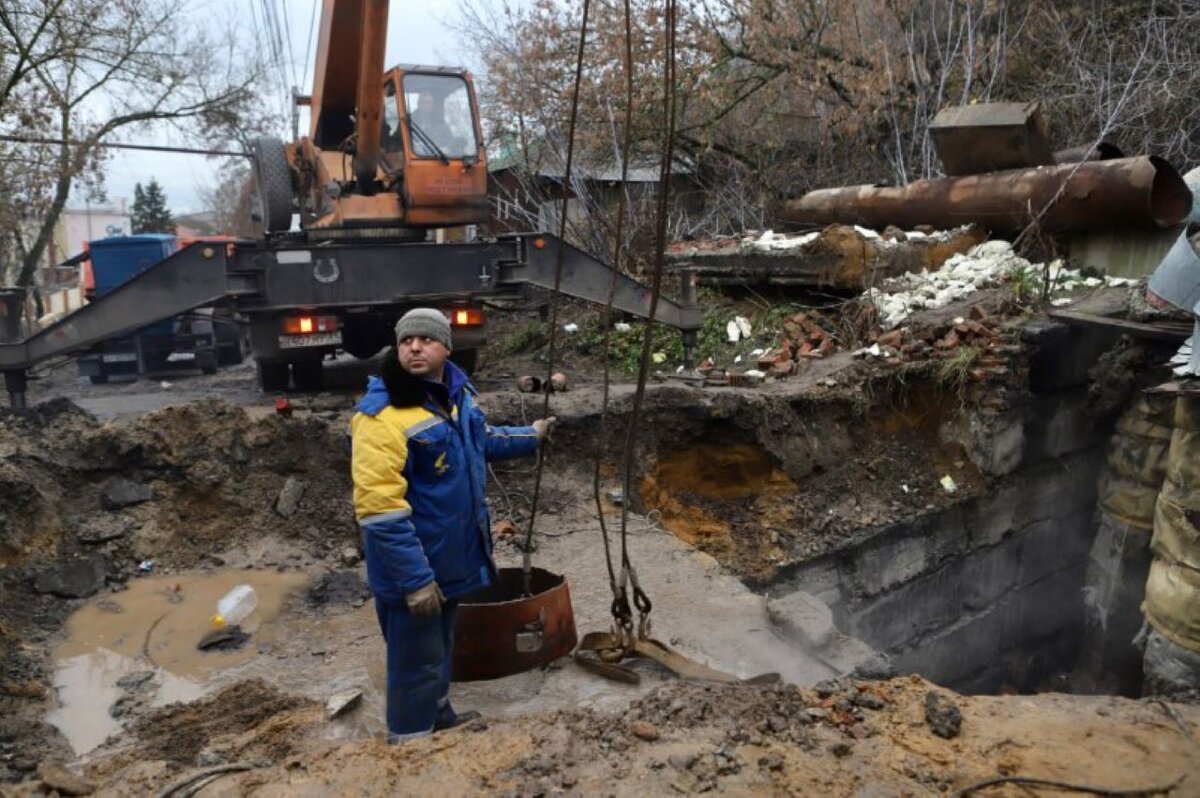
955,371
1026,283
530,335
625,345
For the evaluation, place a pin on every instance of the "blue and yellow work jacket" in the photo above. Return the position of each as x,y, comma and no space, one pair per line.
419,477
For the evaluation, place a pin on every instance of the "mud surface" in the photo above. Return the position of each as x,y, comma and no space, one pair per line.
129,510
88,506
840,739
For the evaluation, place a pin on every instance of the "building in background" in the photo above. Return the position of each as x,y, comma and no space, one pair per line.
62,281
77,226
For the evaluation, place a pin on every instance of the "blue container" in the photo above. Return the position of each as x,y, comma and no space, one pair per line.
118,259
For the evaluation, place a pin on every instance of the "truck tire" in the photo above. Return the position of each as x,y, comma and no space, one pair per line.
231,343
98,379
272,375
207,362
306,374
273,182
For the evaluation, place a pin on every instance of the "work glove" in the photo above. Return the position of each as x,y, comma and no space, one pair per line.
425,602
542,427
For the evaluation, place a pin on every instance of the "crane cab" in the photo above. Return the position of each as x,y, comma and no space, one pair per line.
430,168
389,153
436,142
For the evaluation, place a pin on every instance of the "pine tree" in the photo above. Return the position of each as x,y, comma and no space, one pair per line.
150,211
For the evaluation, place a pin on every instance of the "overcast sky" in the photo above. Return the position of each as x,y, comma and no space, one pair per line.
417,33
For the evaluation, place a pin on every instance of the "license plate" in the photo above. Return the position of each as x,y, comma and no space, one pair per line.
315,339
129,357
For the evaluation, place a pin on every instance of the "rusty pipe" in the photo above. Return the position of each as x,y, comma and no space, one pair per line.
369,104
1104,151
1093,195
500,630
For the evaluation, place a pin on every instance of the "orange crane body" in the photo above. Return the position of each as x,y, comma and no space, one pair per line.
395,151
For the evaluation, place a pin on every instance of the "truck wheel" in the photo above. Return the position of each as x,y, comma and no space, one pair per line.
273,181
306,374
272,375
465,359
98,379
231,344
207,362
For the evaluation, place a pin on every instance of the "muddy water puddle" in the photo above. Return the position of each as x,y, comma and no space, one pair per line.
129,652
139,647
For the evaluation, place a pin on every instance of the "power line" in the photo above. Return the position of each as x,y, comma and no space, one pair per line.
308,47
148,147
287,30
269,31
272,18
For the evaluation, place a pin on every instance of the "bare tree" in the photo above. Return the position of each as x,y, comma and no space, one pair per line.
777,97
228,200
82,72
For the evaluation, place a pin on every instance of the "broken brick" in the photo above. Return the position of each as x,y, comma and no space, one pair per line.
950,341
892,339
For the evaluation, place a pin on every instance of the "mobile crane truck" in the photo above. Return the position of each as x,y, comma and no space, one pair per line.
390,156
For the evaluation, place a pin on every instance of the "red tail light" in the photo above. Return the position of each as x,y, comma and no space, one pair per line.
466,317
306,325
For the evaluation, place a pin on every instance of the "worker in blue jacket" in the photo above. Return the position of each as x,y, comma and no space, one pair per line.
420,446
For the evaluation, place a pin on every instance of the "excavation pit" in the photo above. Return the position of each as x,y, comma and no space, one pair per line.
954,542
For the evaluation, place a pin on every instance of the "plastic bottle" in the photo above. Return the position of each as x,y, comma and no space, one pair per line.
235,605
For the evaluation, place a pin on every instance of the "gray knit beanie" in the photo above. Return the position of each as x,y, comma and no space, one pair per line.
430,323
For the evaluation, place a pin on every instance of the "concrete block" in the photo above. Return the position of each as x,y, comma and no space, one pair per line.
802,617
958,651
1059,425
1047,607
886,564
994,443
937,600
1052,546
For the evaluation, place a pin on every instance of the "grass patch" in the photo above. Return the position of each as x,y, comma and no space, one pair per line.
528,337
955,371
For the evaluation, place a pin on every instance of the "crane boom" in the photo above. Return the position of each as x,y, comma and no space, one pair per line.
346,97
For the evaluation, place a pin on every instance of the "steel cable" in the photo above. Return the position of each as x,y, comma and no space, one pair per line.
640,599
526,562
618,596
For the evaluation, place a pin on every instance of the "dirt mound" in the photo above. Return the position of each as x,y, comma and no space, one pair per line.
171,486
178,733
841,739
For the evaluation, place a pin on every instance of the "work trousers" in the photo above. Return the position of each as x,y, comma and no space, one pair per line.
418,669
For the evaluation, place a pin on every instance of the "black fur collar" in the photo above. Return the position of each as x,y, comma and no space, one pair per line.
405,390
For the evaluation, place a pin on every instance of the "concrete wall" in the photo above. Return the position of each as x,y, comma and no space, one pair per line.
988,592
